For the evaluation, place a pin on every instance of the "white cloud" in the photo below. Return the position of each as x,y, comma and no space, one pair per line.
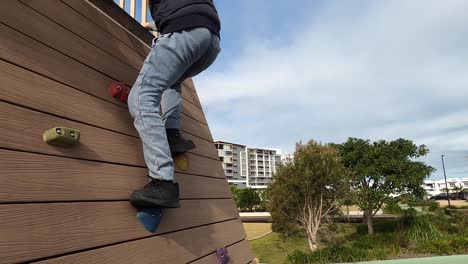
395,69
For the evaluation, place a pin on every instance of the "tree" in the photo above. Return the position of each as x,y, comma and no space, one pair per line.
457,190
248,198
306,189
382,168
235,194
263,200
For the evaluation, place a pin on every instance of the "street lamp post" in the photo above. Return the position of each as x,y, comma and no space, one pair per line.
445,177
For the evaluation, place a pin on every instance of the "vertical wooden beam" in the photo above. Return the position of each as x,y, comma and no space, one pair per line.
144,8
122,4
133,8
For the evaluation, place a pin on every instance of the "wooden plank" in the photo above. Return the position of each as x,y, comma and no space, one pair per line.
194,111
81,26
18,16
112,27
24,132
190,94
189,83
34,91
179,247
28,89
119,17
32,231
33,55
22,50
240,253
28,177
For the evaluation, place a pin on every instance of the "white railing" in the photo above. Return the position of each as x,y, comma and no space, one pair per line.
132,10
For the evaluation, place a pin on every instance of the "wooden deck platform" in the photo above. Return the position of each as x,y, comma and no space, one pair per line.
57,58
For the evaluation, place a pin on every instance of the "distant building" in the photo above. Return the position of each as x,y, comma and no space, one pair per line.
286,157
246,166
434,187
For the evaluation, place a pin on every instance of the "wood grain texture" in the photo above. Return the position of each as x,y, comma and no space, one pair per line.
73,21
31,54
18,16
173,248
28,177
58,205
119,24
28,89
37,57
116,22
119,17
239,253
106,22
24,132
190,94
32,231
81,26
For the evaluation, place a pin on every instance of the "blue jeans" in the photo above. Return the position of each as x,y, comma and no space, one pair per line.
155,99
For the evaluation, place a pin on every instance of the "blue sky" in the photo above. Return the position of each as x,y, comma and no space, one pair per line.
327,70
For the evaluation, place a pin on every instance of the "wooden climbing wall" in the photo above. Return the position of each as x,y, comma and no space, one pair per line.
57,58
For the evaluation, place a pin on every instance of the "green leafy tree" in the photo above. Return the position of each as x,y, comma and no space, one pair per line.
263,200
382,168
457,190
248,199
306,189
235,194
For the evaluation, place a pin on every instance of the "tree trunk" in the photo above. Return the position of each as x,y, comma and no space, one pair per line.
312,241
370,224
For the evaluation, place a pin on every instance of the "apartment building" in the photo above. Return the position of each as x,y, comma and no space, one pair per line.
434,187
247,166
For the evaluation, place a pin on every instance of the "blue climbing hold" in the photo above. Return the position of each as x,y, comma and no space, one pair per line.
150,218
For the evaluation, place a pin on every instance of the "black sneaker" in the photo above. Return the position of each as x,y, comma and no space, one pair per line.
178,144
157,193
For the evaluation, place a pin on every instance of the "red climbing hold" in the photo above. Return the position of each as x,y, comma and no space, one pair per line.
124,95
119,90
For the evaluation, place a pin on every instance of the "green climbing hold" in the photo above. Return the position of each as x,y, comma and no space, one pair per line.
62,137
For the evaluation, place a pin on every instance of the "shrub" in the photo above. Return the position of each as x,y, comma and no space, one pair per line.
451,244
385,226
428,203
298,257
420,227
368,247
392,207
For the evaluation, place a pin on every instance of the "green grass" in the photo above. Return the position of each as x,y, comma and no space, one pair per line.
414,233
377,247
256,229
273,249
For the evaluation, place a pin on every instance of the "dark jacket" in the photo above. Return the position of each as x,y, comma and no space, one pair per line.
177,15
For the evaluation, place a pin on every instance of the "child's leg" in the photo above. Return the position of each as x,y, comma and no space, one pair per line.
167,62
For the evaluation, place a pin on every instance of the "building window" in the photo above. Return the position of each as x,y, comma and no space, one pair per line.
452,184
221,159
